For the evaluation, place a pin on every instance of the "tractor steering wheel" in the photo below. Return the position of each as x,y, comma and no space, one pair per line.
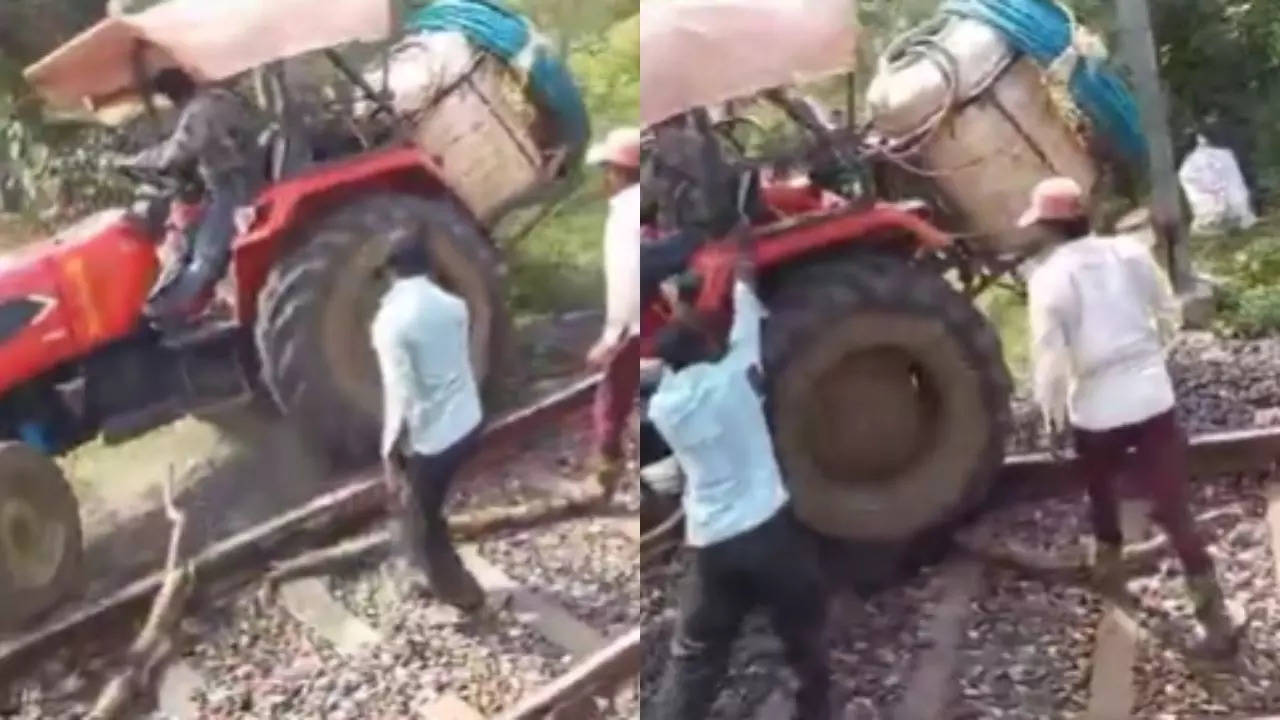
148,177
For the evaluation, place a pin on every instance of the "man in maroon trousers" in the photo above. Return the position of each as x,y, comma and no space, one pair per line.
1101,316
617,351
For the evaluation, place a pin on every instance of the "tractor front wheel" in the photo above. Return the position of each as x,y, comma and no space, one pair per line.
316,308
41,557
888,399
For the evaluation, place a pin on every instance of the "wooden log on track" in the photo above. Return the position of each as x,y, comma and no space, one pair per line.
318,521
462,526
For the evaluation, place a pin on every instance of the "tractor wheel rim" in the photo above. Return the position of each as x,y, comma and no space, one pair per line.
877,415
32,547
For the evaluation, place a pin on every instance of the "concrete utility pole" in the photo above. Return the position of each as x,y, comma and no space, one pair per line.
1138,49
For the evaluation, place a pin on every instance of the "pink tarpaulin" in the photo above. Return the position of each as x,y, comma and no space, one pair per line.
211,39
701,52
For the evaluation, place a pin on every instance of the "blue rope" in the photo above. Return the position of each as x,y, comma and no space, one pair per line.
1042,29
505,33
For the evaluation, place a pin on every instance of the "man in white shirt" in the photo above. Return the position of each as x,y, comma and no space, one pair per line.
749,550
1101,317
617,351
432,416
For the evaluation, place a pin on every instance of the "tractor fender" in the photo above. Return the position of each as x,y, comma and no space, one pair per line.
285,207
791,241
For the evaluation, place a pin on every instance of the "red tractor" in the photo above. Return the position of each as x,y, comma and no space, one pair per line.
78,360
886,387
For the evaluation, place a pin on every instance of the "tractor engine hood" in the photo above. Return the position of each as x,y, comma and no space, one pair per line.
64,297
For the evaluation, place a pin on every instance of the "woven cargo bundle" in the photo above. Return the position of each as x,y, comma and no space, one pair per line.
480,134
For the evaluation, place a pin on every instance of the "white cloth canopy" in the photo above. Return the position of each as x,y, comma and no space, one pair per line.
702,52
212,40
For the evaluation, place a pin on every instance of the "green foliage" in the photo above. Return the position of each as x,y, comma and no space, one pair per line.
1249,312
559,266
1008,312
607,68
1247,266
49,172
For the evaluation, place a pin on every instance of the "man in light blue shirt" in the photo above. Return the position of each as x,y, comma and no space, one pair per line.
749,550
432,415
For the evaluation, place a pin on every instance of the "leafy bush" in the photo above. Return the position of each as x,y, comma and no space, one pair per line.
1247,268
57,175
559,266
1249,311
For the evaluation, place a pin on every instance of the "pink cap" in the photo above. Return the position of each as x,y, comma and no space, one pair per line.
620,147
1059,198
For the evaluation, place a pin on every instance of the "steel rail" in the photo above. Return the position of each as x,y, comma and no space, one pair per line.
314,523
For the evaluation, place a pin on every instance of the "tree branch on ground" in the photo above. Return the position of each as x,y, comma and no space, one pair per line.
154,643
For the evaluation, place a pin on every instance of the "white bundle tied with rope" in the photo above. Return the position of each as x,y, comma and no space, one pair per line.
1215,189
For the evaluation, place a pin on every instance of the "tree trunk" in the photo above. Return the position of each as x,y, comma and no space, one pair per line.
1137,45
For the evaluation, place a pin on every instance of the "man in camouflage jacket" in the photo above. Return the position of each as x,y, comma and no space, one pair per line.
216,135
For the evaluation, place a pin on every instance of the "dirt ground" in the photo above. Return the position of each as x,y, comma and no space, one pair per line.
240,467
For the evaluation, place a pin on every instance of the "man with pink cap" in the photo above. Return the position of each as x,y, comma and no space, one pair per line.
1101,316
618,349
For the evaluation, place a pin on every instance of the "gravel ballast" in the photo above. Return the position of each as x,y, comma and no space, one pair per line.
1028,643
1221,385
1170,683
258,662
1027,648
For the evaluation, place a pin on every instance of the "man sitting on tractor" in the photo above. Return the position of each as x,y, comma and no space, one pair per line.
216,136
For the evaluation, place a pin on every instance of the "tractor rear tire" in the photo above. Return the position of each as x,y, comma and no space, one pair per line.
888,397
41,558
316,308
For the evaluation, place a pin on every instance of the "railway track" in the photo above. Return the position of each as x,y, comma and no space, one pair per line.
1006,625
262,638
1003,627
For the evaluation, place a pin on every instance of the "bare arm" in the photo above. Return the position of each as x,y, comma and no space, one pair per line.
744,335
622,275
1049,354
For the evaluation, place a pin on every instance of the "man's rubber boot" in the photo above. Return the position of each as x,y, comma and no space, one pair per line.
1107,571
450,580
1222,625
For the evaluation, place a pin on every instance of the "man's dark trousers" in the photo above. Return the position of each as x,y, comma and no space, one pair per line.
423,532
774,567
